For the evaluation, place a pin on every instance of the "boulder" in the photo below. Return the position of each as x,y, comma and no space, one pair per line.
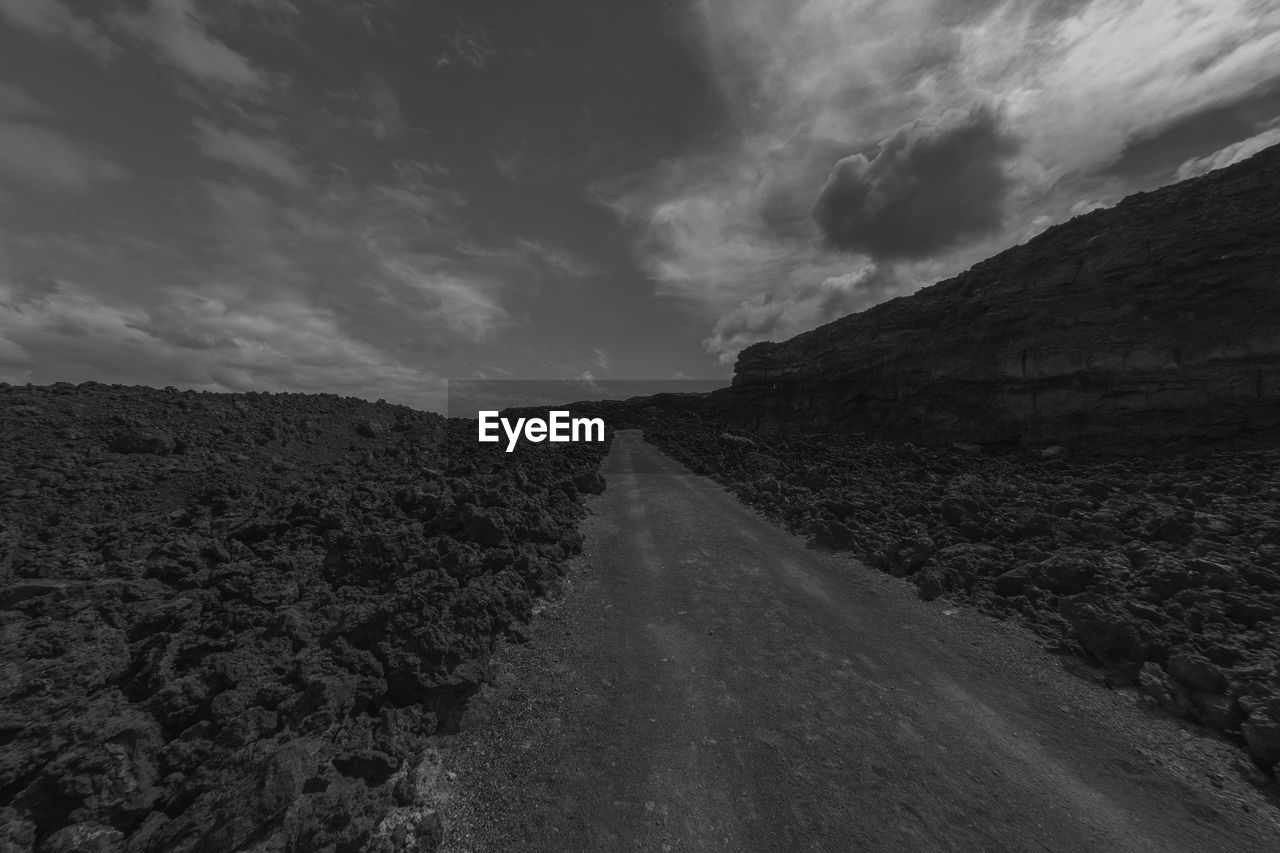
1065,572
1013,582
913,553
371,427
86,837
1112,636
1262,734
143,441
1196,672
929,584
590,483
956,510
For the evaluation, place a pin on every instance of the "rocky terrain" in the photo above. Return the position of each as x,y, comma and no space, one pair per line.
1165,572
235,621
1151,322
1096,427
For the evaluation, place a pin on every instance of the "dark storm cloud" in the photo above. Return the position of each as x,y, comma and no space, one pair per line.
931,185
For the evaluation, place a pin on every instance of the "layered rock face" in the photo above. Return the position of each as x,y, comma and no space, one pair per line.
1152,322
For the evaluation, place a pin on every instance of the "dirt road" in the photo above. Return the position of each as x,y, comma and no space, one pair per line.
709,683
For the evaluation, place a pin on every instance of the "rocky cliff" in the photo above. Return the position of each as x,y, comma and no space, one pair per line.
1155,321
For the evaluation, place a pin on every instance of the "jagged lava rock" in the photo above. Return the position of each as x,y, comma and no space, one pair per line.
1154,321
234,621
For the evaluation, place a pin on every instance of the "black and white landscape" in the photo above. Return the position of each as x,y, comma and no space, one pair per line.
935,349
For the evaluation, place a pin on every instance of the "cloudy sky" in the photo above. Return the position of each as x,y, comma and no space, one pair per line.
369,196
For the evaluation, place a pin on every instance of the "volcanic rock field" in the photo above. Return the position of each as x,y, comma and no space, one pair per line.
235,621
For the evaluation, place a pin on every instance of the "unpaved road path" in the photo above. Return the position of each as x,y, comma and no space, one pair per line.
709,683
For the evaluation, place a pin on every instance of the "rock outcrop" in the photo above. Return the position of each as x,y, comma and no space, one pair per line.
1155,321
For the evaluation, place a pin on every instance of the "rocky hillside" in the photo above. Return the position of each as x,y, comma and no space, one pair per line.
234,621
1155,321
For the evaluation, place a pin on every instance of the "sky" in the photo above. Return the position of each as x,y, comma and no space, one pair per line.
371,197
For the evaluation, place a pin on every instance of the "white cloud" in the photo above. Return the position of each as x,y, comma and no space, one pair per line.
422,204
51,19
559,261
376,16
528,256
1078,79
512,164
470,45
811,82
255,236
465,301
415,173
45,159
1229,155
345,291
179,37
1118,71
375,106
392,272
214,340
256,154
387,120
704,239
796,307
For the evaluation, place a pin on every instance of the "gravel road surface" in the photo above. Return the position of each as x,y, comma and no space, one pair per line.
708,682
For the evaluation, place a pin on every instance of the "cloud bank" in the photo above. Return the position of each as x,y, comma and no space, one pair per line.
1228,156
53,327
268,157
913,138
178,35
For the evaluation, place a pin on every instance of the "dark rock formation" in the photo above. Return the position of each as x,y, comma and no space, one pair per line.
1152,321
233,622
143,441
590,483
